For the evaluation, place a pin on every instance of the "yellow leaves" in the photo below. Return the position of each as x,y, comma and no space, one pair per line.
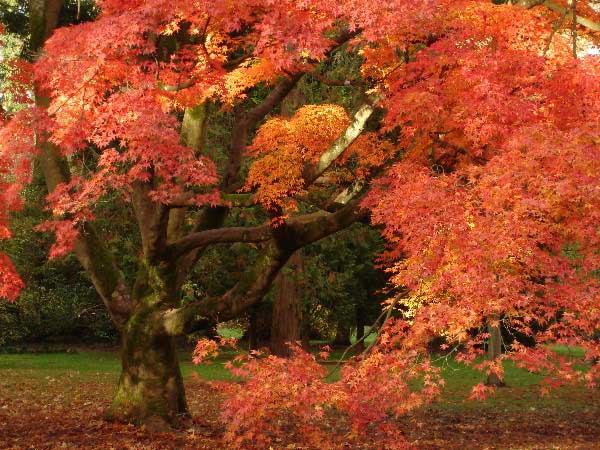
274,134
287,145
470,221
315,127
244,77
170,28
276,175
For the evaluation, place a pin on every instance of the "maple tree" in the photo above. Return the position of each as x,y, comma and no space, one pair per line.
481,172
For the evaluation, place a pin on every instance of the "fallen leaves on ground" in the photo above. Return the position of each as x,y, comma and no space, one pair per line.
65,411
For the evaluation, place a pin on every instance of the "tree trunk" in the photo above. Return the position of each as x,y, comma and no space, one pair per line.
150,390
287,326
342,334
494,350
305,330
259,326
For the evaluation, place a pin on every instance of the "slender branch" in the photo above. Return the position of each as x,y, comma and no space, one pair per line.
554,30
371,330
385,321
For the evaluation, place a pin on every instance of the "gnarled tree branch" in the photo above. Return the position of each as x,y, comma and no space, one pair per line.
257,279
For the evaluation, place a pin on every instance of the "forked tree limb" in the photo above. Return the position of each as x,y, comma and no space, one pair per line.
257,279
589,24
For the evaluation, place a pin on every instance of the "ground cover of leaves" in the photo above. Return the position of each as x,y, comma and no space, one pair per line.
63,408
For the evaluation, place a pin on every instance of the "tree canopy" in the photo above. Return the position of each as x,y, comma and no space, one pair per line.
474,146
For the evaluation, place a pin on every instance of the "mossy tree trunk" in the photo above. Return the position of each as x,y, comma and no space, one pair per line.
151,387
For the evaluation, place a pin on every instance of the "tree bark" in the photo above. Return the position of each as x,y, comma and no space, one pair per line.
43,19
494,350
259,327
150,390
342,334
286,327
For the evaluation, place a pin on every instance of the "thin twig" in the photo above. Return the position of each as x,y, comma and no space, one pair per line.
387,317
367,334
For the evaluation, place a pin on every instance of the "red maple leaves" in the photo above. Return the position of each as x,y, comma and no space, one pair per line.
491,212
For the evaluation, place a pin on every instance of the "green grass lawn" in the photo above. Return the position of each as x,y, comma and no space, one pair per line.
99,363
459,377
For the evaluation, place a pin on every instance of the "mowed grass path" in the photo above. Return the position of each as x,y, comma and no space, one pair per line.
55,401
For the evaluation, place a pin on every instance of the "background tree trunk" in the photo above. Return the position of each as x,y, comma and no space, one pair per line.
287,323
259,327
342,334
